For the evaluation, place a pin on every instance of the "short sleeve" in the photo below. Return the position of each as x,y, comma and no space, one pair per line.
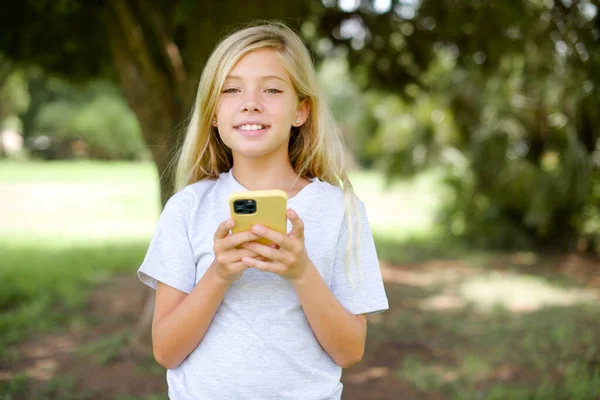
366,295
170,257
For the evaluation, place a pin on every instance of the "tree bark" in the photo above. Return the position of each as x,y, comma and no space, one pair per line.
160,90
147,90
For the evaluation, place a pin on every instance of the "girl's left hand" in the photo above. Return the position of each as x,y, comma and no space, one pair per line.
288,258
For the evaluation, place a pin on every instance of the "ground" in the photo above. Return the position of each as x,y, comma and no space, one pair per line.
90,359
116,304
463,324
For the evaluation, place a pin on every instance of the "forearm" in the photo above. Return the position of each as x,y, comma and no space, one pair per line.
339,332
179,333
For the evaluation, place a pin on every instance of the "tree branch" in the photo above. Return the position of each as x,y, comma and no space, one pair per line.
133,37
168,50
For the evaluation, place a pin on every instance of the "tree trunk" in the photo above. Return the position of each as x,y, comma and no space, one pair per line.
159,89
150,95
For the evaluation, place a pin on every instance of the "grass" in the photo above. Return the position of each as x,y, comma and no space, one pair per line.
524,345
65,226
23,387
400,210
115,172
468,330
108,349
45,284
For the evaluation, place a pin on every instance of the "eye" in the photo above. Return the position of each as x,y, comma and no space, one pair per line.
273,91
230,90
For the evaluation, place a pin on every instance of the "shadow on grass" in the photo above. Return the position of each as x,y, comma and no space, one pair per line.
420,249
44,285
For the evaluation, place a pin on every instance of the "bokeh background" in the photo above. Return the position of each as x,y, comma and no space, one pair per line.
474,133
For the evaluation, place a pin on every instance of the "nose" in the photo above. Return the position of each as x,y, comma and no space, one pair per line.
251,103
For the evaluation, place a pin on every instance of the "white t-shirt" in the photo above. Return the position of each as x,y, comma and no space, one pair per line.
259,344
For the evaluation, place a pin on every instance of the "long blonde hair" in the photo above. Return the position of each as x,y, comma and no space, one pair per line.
316,149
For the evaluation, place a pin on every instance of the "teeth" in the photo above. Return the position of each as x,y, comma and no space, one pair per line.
250,127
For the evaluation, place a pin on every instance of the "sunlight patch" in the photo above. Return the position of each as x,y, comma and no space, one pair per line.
521,293
443,302
369,374
427,274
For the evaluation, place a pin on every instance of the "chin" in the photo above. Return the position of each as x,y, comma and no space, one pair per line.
256,151
259,148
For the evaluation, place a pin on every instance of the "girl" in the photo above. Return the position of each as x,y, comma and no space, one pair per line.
257,321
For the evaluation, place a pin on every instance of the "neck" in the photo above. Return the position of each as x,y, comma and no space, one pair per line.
264,173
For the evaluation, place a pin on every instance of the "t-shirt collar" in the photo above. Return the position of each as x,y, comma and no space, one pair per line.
235,186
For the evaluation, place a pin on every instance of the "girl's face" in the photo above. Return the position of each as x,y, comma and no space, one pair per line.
258,106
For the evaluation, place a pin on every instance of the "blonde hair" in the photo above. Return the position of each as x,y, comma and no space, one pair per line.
316,149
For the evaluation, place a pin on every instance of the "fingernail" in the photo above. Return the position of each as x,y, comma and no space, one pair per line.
256,229
230,223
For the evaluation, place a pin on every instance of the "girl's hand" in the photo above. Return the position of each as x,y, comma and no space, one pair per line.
288,259
228,259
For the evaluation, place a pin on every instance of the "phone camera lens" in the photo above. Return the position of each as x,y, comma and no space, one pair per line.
246,206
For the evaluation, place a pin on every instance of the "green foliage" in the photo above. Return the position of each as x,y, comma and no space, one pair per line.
506,116
66,37
522,181
348,105
107,122
56,118
98,115
590,216
14,97
499,87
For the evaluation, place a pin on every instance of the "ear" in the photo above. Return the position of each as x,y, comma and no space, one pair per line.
302,113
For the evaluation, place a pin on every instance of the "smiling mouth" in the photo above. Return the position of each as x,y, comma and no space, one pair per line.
252,130
251,127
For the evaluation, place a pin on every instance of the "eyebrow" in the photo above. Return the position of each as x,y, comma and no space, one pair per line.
262,77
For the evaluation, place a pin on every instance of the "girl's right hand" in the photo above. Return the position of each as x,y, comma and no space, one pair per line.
228,259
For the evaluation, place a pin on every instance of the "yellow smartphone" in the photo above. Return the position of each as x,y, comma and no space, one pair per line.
264,207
